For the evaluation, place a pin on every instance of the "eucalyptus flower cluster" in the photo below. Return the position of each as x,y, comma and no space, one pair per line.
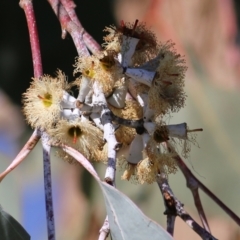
142,81
49,107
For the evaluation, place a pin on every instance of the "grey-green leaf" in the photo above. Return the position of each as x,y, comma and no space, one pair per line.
10,228
127,222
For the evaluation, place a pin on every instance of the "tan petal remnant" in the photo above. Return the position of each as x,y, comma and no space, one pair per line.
129,169
147,171
157,161
125,135
130,172
112,39
101,154
131,111
41,102
86,65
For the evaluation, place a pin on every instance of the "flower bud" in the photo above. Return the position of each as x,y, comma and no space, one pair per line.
140,75
135,150
117,99
127,49
85,86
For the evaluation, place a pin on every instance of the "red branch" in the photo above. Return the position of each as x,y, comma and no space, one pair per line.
90,42
68,25
27,6
37,67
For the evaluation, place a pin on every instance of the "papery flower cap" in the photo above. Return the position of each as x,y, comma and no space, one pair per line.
41,101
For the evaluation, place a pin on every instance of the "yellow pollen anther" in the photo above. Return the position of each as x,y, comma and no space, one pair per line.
47,99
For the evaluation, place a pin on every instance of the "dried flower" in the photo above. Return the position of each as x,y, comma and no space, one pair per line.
102,68
157,161
129,169
178,134
130,172
86,65
81,135
146,171
167,93
101,154
112,39
41,102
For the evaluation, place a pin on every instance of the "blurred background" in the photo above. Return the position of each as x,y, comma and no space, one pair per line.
207,33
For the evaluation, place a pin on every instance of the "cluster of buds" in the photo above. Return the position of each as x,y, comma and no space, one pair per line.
142,82
49,106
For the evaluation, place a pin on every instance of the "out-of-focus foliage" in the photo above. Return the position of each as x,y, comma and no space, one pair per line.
10,229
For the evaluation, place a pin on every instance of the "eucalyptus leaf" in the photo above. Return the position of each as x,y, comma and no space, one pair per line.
10,228
127,221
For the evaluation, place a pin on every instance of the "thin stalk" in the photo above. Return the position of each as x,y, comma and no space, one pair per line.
28,147
37,67
90,42
193,183
27,6
170,224
175,208
105,229
71,27
48,187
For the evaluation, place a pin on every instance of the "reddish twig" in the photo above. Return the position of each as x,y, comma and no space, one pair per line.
193,184
37,67
65,12
71,27
90,42
81,159
199,207
27,6
28,147
175,208
75,28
